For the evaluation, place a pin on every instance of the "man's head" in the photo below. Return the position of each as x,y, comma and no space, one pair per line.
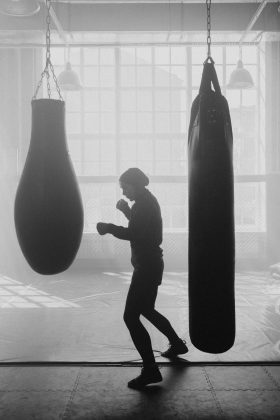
132,182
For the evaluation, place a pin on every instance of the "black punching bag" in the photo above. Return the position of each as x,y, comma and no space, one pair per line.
48,207
211,219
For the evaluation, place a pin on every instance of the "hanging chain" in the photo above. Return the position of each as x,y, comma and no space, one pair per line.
208,6
48,66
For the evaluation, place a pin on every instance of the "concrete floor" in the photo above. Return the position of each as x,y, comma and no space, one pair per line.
77,316
100,392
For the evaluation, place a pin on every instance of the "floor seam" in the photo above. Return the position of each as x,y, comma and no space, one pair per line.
217,402
246,389
34,390
73,392
272,378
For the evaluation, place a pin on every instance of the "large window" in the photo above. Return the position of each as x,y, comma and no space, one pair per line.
134,110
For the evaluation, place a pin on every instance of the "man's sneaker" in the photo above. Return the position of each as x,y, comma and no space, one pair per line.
148,376
174,349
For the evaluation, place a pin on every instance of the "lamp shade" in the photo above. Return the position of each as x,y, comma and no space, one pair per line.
68,79
19,8
240,78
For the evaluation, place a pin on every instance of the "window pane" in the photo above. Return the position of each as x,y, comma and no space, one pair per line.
144,100
232,54
144,55
217,54
91,101
128,150
73,123
178,76
125,164
74,147
196,75
92,150
108,168
74,55
162,168
179,218
233,97
91,76
162,76
58,57
162,100
145,122
162,150
145,150
107,123
178,100
127,55
107,150
107,76
249,97
128,76
162,122
249,208
146,166
107,100
249,54
199,55
107,56
144,76
128,100
178,55
179,149
162,55
91,122
91,56
91,168
128,122
73,101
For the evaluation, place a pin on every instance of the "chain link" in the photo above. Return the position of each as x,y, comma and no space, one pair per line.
46,71
208,6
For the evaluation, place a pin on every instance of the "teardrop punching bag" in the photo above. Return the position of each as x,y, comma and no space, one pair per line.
48,208
211,219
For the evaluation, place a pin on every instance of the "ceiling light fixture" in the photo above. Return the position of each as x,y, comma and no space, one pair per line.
19,8
68,79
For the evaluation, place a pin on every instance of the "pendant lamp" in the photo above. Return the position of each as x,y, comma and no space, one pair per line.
48,209
19,8
240,78
68,79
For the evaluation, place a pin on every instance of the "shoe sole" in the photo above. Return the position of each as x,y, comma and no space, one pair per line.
174,355
144,384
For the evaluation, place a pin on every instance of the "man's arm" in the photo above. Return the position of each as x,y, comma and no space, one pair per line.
120,232
137,228
139,223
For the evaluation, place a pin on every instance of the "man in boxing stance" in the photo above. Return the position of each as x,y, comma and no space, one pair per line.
144,232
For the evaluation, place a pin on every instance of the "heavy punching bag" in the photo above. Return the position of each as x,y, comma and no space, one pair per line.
211,219
48,208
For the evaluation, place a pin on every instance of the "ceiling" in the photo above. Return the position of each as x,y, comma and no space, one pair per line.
154,1
87,22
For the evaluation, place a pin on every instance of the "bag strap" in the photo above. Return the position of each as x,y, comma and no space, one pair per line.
209,75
